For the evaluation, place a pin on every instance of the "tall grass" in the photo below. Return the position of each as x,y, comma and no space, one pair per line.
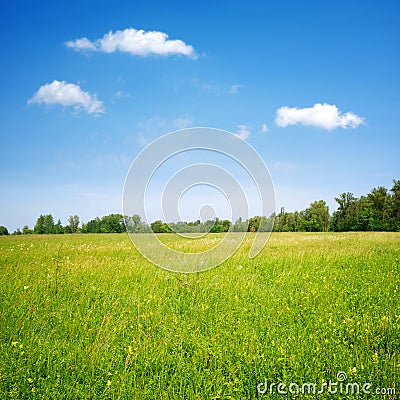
85,316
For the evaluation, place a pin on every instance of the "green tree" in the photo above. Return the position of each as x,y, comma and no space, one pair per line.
316,217
26,230
3,231
156,226
58,228
217,226
165,228
134,224
39,226
49,223
240,225
113,223
44,224
73,221
93,226
267,224
379,200
345,218
226,224
394,206
254,223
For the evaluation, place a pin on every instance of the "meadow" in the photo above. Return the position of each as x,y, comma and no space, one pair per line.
86,316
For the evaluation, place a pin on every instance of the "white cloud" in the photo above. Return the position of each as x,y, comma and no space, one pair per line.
324,116
135,42
153,127
234,89
118,95
264,128
68,95
243,132
218,89
81,44
182,122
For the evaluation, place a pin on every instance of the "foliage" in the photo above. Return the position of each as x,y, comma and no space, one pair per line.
3,230
379,210
73,221
44,224
113,223
26,230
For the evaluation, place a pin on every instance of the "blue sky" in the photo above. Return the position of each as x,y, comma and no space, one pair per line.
238,66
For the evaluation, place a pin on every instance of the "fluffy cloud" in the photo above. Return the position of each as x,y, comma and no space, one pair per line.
243,132
182,122
234,89
68,95
324,116
264,128
135,42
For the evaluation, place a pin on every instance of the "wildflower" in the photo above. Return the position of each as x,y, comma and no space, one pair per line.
108,383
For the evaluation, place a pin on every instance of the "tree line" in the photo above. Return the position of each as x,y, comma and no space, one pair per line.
379,210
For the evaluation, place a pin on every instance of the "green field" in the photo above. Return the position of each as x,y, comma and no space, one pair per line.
85,316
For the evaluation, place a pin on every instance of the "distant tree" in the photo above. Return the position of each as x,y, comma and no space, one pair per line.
365,215
44,224
394,206
48,223
39,226
93,226
3,231
316,217
73,221
165,228
379,210
254,223
379,201
134,224
226,224
156,226
26,230
288,221
195,223
113,223
17,232
58,228
266,224
217,226
345,218
240,225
